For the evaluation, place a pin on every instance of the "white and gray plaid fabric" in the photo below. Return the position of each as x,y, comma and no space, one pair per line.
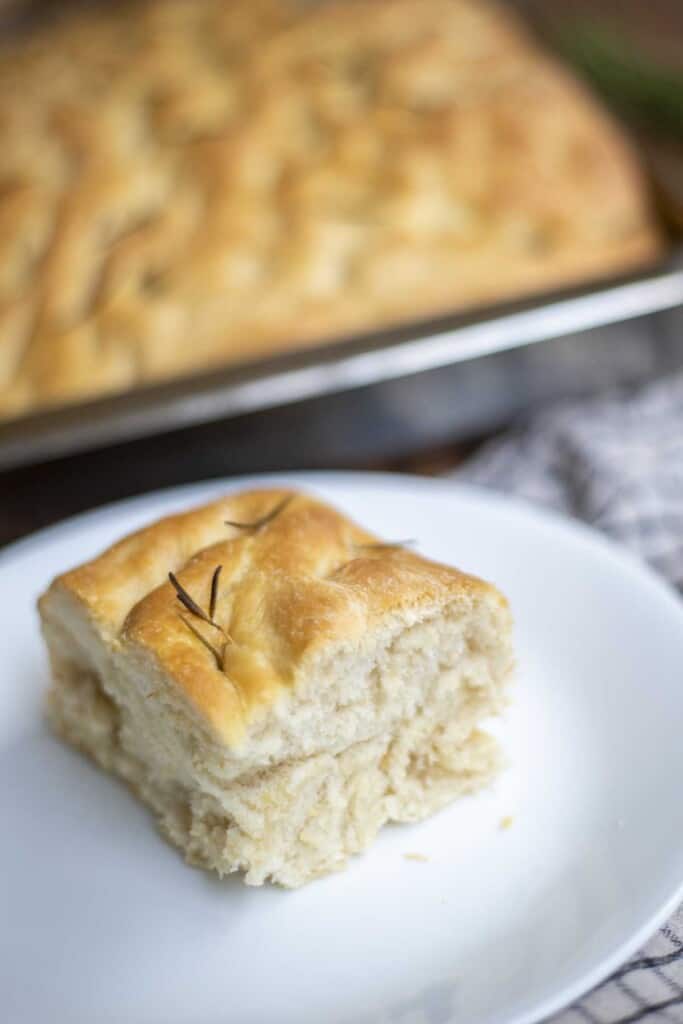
617,464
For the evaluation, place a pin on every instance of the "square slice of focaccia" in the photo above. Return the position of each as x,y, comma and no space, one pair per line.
275,682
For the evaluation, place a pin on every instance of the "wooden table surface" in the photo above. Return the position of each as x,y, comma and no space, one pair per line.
34,497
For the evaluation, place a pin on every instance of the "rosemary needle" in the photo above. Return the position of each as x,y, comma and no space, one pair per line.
258,524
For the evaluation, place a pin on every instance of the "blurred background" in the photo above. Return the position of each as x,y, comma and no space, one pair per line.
441,329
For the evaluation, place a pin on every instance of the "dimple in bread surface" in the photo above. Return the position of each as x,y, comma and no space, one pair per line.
307,582
195,183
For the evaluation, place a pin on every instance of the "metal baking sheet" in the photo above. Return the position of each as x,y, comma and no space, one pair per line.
338,367
465,352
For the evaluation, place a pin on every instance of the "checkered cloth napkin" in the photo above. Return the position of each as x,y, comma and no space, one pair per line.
617,464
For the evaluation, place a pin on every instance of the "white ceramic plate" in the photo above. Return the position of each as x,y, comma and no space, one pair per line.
100,920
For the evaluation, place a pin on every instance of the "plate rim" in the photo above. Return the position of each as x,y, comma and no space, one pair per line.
197,491
308,477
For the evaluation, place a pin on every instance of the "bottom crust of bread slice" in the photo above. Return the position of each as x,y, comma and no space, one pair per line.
294,685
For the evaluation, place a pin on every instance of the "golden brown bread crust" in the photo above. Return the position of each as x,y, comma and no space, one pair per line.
202,182
304,582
